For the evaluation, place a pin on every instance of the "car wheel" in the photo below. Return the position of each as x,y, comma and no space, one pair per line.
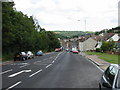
20,58
14,59
99,87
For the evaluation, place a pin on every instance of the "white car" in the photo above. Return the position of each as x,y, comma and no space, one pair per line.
30,55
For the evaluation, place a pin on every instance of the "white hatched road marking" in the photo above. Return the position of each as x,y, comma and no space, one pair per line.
24,65
14,85
35,73
37,62
6,71
19,73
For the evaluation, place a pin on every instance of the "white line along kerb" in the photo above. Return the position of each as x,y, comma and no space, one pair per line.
14,85
35,73
19,73
6,71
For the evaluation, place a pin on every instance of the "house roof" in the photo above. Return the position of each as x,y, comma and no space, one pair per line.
82,39
107,36
96,37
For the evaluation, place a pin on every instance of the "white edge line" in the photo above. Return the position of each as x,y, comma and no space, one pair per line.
6,71
35,73
48,65
14,85
96,66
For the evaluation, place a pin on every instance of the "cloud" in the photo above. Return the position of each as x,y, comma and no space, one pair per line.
63,14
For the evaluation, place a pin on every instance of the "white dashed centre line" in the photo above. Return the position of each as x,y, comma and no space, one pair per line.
48,65
53,61
6,71
14,85
35,73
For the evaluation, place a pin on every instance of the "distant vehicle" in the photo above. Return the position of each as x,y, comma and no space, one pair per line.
20,56
30,54
110,79
71,50
39,53
67,49
75,51
57,49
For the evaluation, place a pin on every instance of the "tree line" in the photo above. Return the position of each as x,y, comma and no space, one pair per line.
113,30
22,33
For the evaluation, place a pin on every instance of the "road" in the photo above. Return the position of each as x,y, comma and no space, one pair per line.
53,70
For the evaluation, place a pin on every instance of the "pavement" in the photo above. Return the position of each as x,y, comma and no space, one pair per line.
95,59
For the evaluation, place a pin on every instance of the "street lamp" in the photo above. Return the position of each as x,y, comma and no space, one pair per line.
84,22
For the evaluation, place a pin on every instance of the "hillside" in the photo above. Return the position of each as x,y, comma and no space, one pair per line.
70,34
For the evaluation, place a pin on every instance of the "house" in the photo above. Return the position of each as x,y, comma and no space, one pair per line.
98,39
108,37
88,44
114,37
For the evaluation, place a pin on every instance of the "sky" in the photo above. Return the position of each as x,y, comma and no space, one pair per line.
72,15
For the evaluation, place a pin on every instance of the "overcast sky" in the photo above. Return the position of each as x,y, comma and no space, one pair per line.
72,14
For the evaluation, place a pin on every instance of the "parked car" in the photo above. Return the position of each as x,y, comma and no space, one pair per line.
39,53
30,54
57,49
110,79
20,56
75,51
67,49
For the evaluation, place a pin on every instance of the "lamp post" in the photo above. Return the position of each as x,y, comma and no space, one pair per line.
85,35
84,23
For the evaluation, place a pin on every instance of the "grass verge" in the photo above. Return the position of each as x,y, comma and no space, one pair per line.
107,57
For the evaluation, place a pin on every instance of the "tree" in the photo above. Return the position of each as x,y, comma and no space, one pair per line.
23,33
107,46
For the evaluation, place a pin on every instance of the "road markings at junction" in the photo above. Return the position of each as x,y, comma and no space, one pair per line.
6,71
14,85
35,73
13,75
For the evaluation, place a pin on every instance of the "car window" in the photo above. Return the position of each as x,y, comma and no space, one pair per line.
23,53
112,75
108,70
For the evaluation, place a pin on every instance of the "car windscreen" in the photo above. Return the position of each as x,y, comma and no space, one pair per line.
118,80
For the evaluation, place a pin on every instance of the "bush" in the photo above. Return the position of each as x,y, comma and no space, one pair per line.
98,50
